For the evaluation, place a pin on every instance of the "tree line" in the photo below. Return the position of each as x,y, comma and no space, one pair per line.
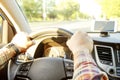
38,10
110,8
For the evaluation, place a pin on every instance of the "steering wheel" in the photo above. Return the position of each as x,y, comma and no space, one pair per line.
43,68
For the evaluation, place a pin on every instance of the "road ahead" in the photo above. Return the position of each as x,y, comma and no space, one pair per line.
69,25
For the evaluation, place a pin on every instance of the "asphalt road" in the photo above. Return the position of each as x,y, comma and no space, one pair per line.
84,25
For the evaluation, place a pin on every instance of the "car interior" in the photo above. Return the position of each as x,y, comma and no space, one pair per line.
50,58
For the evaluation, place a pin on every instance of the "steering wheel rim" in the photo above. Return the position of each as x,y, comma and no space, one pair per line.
51,31
36,35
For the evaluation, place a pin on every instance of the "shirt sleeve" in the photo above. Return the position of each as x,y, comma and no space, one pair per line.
6,53
85,67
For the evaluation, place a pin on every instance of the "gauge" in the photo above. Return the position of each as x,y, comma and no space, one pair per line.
54,52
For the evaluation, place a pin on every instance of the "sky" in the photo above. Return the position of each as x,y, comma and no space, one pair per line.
90,7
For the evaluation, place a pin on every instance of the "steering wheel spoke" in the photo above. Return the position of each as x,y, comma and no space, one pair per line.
53,69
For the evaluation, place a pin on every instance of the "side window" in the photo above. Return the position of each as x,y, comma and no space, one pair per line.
0,28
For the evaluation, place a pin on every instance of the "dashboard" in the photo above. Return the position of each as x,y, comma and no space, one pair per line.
106,51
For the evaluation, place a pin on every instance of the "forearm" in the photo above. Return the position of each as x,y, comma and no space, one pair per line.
6,53
86,68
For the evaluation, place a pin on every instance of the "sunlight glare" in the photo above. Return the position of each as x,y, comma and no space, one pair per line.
90,7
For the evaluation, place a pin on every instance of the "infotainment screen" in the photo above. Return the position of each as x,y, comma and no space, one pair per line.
104,26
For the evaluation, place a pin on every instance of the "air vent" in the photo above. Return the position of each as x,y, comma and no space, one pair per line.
105,55
118,63
118,56
118,71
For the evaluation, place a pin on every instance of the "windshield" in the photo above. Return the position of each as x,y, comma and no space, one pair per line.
87,15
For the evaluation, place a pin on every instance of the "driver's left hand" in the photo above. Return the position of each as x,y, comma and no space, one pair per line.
22,41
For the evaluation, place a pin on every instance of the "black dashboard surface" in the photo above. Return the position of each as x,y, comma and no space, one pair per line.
106,53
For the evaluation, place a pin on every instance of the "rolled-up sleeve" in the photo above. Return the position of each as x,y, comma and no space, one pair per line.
6,53
85,68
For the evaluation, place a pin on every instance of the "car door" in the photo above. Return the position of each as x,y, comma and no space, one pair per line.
7,31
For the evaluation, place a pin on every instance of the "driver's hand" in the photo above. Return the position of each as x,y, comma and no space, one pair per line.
80,41
22,41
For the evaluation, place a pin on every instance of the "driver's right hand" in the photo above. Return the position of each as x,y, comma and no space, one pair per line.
80,41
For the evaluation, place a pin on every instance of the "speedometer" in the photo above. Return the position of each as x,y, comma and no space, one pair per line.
54,52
